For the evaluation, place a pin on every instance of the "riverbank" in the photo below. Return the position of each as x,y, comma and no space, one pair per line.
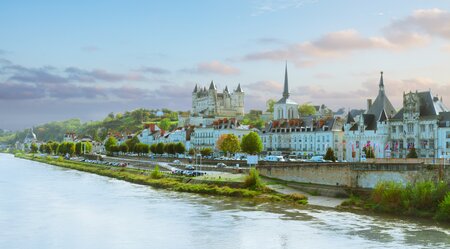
171,182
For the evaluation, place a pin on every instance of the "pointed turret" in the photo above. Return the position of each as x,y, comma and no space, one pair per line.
212,86
381,85
383,117
239,89
195,89
226,89
286,86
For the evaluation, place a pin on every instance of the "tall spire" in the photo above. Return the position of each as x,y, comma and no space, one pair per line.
212,86
286,87
239,89
381,85
195,89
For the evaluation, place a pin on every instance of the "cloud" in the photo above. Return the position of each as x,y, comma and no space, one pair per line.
414,30
431,22
81,75
13,91
128,92
213,67
269,40
265,86
153,70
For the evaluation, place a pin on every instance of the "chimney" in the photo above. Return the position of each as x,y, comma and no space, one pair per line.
369,104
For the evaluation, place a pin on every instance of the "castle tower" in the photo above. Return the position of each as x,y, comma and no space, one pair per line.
238,100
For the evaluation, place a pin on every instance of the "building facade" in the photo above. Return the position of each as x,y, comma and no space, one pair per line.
210,102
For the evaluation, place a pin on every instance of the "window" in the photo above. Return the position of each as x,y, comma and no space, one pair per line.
410,128
448,145
394,130
448,134
422,128
431,127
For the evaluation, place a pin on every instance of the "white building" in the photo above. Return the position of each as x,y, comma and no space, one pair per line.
443,145
371,129
305,137
207,136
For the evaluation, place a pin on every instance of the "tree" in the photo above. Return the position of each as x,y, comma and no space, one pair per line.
153,148
306,109
164,124
145,148
270,103
229,143
114,149
132,143
191,151
329,155
206,151
124,148
170,148
111,141
33,148
160,148
54,146
43,148
78,148
251,143
412,153
179,148
368,150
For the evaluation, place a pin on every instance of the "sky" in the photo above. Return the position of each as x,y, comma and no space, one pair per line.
85,59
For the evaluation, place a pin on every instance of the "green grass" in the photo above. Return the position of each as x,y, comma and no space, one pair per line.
161,180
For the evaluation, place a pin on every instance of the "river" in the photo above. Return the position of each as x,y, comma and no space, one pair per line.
44,206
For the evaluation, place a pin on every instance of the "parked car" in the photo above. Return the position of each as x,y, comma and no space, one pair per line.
274,159
221,165
189,167
177,162
197,173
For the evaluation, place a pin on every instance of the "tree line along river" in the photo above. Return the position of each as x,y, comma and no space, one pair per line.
43,206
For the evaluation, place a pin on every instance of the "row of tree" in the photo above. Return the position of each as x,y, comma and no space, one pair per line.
55,148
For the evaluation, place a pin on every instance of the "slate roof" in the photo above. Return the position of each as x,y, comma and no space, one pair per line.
429,106
381,103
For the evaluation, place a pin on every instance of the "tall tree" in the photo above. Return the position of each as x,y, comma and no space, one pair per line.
270,103
306,109
33,148
251,143
160,148
329,155
230,144
180,148
111,141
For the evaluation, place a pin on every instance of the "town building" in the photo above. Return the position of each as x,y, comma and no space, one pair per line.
371,129
302,136
417,125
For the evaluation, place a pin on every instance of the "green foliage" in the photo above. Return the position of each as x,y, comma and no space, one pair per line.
420,198
329,155
83,147
443,212
123,148
156,174
191,151
160,148
270,104
180,148
110,142
253,180
306,109
206,151
164,124
131,143
368,150
251,143
229,143
33,148
412,153
153,148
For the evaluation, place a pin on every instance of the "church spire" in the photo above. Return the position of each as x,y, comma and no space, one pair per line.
286,87
381,85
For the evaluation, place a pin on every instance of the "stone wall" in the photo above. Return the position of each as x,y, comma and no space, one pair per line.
353,175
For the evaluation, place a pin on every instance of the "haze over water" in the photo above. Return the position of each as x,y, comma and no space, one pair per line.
43,206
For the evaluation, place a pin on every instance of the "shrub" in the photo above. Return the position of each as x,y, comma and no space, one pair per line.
253,180
389,197
443,212
156,173
299,198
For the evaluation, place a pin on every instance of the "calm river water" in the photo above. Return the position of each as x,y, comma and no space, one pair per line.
43,206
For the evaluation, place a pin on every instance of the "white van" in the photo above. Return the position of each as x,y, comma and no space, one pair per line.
274,159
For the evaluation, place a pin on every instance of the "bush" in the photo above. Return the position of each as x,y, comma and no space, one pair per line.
156,173
253,180
389,197
443,212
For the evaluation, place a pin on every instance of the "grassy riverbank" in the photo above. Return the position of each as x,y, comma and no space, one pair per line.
155,179
423,199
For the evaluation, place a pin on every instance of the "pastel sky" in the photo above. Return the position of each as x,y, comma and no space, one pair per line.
67,59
